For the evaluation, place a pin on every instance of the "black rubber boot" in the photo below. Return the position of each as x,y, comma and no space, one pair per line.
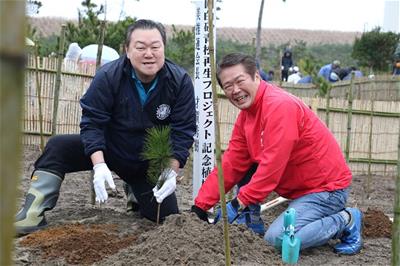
41,196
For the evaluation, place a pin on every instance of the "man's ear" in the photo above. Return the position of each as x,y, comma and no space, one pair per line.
126,51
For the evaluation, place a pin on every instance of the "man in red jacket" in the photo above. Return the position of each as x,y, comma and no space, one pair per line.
279,144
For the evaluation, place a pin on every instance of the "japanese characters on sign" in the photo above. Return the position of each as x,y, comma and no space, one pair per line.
204,140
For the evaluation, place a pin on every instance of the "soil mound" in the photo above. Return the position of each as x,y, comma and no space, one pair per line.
376,224
78,243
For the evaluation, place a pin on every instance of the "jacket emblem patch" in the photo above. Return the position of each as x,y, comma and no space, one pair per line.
163,111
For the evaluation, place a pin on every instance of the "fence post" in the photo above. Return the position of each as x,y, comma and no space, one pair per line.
57,85
100,44
39,94
369,178
349,116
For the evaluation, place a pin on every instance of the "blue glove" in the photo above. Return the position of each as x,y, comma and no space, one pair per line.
232,209
251,216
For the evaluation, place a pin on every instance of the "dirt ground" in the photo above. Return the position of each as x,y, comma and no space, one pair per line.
84,234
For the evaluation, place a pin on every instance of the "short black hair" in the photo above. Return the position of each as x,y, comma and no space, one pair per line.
145,24
234,59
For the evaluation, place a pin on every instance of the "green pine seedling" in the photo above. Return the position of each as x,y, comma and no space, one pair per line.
158,150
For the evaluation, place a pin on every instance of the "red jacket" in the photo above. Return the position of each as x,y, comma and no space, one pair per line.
295,152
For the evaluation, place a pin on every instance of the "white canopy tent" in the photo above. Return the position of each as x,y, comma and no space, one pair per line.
89,54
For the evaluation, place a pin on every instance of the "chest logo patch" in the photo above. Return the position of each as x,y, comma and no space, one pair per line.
163,111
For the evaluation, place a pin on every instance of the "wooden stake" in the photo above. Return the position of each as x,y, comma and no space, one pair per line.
39,95
12,65
58,80
349,116
396,211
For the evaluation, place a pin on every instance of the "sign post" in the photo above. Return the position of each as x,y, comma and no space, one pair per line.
204,139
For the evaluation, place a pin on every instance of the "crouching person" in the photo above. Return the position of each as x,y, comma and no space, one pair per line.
278,144
138,91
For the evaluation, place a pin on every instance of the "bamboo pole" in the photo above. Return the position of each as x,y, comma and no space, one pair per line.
100,45
39,95
58,79
349,117
369,178
98,64
221,183
396,210
12,62
328,101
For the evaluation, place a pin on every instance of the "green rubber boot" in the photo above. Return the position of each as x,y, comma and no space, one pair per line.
41,196
132,204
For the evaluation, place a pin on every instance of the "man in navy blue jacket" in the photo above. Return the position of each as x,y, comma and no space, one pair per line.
138,91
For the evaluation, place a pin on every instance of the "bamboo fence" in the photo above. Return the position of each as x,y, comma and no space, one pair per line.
75,79
372,139
383,88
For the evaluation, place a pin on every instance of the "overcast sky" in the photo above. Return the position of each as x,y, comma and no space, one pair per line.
342,15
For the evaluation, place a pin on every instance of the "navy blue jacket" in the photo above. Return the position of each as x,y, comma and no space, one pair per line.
113,119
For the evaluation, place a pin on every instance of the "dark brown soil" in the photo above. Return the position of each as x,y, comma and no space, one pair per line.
376,224
84,234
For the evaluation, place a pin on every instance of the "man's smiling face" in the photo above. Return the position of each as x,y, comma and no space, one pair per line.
239,86
146,53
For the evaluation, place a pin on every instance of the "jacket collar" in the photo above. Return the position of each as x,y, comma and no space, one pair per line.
258,99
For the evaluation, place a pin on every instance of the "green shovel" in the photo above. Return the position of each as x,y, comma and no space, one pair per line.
290,243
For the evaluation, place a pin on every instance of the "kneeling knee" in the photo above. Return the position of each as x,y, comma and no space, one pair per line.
271,235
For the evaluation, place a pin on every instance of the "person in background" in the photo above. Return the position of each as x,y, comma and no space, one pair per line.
286,63
279,144
127,96
295,76
326,70
345,73
270,75
396,67
263,75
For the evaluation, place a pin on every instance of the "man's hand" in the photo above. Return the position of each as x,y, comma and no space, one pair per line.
249,216
202,214
101,175
168,177
232,210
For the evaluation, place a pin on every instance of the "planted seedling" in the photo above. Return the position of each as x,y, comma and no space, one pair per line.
157,150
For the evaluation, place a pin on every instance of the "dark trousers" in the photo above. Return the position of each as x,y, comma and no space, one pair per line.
65,154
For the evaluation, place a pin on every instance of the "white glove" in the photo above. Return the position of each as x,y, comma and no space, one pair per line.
102,174
168,187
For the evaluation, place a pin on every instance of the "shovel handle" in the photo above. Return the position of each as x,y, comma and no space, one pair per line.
272,203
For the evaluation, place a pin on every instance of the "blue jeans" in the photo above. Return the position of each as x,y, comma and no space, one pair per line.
317,218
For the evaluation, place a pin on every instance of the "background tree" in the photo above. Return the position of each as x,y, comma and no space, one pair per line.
180,48
32,7
374,49
258,34
115,33
88,29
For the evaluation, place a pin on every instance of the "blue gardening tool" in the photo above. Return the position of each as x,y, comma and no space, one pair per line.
290,243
